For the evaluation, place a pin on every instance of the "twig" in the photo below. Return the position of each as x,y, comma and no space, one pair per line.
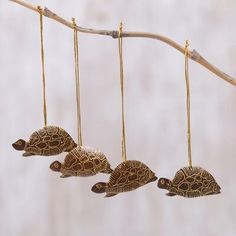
194,55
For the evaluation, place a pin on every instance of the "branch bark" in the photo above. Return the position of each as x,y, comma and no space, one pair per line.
194,55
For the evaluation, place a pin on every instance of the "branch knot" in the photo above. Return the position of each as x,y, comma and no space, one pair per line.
115,34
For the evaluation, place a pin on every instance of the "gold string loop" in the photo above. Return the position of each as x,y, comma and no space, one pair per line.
188,104
124,158
76,58
43,67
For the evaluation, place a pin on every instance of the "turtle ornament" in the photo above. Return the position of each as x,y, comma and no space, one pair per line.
82,161
190,182
48,141
127,176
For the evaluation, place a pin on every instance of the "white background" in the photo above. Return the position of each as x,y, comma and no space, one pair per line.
34,200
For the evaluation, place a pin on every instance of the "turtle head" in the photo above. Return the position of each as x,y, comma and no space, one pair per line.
19,145
99,187
56,166
164,183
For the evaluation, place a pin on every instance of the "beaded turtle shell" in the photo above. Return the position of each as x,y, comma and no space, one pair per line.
127,176
51,140
82,161
190,182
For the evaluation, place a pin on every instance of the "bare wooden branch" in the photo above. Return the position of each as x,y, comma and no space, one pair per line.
194,55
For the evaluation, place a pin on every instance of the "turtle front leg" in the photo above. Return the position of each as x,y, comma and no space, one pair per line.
110,194
27,154
65,176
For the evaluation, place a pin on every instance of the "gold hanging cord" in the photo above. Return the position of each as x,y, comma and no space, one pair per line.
188,104
76,57
124,158
43,68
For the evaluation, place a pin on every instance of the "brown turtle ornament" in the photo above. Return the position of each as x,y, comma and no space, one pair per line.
51,140
190,182
82,161
127,176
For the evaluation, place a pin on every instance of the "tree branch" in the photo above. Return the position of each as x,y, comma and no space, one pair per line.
194,55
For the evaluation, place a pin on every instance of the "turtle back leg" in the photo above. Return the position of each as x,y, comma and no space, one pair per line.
212,193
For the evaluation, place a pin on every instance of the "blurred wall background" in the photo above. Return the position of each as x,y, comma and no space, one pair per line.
34,200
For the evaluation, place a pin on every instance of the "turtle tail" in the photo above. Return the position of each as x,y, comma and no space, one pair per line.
56,166
70,145
154,178
19,145
99,187
107,171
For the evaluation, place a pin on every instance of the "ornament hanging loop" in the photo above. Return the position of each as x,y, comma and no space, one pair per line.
77,80
120,45
188,104
43,66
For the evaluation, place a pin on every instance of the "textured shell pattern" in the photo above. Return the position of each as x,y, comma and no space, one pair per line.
84,161
128,176
194,182
50,140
